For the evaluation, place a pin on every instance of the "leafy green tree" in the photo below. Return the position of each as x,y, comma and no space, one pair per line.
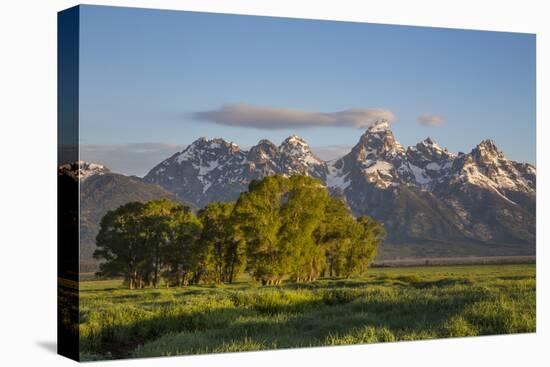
301,214
257,218
277,217
349,244
283,227
181,253
371,235
223,257
333,235
137,239
122,243
159,220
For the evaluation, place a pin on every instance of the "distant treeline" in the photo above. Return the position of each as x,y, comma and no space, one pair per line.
282,228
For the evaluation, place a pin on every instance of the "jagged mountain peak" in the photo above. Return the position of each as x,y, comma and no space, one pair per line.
486,166
266,146
265,150
430,150
377,135
421,193
209,147
377,160
266,142
377,142
296,157
380,129
293,139
213,143
428,144
91,166
431,143
293,142
379,126
83,169
487,148
486,154
296,146
488,143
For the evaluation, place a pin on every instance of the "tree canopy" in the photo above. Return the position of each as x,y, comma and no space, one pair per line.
281,228
137,239
293,228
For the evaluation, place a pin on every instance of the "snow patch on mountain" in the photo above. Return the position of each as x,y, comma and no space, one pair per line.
335,177
380,126
420,193
217,169
82,170
420,175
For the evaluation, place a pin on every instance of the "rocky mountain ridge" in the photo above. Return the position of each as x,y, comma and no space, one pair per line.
423,194
432,202
209,169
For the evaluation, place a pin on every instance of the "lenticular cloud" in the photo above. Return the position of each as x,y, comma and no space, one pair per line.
247,115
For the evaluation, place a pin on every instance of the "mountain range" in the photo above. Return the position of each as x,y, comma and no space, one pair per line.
432,202
426,196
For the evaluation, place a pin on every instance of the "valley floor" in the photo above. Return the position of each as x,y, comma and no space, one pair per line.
389,304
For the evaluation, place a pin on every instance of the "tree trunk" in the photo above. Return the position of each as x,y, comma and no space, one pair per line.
133,280
183,279
232,266
157,264
231,271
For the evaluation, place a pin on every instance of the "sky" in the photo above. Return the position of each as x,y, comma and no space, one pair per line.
153,81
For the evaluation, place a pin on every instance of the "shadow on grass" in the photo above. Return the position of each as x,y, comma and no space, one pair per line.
329,284
356,322
267,323
442,283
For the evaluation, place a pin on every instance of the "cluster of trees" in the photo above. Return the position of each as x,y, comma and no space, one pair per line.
281,228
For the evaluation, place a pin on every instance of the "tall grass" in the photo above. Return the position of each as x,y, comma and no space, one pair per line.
385,306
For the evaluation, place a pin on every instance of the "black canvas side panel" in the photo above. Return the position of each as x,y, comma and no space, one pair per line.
67,185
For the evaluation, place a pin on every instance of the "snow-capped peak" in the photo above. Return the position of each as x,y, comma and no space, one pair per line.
487,147
296,153
378,142
431,150
265,151
486,166
82,169
487,153
213,143
295,145
294,140
379,126
489,144
429,142
203,145
207,167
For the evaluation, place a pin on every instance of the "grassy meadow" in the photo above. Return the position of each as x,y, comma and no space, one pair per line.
389,304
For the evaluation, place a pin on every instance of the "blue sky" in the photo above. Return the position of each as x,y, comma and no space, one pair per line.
147,75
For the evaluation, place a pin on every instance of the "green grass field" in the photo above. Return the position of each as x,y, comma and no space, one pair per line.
389,304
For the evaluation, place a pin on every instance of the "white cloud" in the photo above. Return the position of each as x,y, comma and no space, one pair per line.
433,120
270,118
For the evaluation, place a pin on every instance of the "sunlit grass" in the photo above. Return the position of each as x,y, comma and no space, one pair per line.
389,304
